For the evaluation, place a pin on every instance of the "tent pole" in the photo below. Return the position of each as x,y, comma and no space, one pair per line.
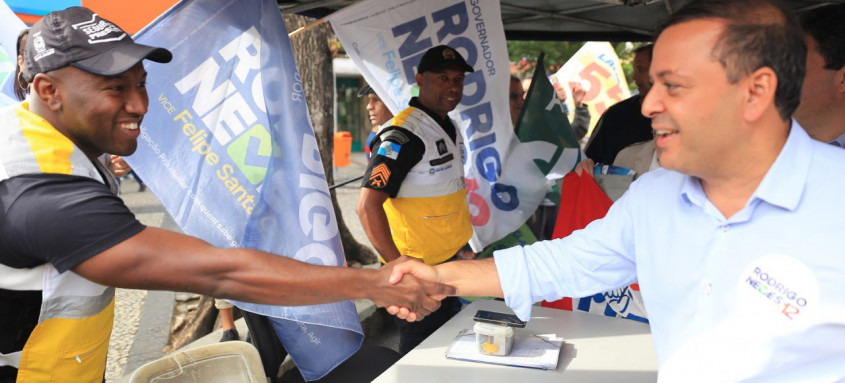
307,27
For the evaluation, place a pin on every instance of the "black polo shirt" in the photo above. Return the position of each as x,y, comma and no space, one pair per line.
60,219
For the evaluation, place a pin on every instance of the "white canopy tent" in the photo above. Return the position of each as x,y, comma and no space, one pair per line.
565,20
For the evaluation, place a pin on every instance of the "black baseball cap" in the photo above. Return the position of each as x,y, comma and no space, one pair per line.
441,57
365,90
79,37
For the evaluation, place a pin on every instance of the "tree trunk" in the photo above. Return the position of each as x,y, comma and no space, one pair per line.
314,60
313,57
195,323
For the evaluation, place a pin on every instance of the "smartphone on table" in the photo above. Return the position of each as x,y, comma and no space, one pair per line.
503,319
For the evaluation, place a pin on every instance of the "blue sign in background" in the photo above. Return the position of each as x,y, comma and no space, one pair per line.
228,148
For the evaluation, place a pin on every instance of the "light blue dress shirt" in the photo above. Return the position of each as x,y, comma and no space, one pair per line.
759,296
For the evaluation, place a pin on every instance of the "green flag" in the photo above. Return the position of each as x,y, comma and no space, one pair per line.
544,125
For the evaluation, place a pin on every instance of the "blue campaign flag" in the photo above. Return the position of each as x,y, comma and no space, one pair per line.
228,148
10,26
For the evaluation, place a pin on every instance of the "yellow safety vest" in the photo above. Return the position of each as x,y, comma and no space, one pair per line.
71,339
429,217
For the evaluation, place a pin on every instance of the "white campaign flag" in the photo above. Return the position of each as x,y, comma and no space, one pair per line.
386,39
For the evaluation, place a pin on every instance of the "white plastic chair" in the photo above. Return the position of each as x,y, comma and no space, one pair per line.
225,362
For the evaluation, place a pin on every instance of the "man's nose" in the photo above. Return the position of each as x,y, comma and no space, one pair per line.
137,102
651,104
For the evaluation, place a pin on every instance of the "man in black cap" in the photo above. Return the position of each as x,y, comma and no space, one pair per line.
413,201
378,114
65,236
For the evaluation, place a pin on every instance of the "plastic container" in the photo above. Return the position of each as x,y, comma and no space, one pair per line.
226,362
342,149
493,339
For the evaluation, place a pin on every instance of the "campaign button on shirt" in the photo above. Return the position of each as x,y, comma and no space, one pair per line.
778,288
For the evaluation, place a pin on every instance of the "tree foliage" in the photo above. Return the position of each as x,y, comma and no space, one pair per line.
523,56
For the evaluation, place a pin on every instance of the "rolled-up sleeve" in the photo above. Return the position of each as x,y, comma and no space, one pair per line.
598,258
514,278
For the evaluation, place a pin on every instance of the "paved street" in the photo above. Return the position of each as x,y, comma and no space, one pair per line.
142,318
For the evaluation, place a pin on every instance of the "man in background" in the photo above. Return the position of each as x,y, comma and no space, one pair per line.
413,200
377,112
516,98
623,123
822,108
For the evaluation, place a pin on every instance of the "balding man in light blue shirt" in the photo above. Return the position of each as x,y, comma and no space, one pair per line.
716,289
736,241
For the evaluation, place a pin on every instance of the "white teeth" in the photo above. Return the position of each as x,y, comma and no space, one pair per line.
130,126
662,132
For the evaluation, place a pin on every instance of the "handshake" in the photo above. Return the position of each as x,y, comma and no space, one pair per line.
413,289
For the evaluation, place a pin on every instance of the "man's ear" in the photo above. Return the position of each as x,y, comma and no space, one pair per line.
761,87
839,81
419,78
45,89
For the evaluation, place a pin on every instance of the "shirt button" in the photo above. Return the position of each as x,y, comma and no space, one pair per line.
708,289
725,228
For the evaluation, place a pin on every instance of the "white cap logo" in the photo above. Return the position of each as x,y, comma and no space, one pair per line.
38,43
98,30
40,47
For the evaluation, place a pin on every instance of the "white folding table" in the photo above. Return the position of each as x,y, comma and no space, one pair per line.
597,349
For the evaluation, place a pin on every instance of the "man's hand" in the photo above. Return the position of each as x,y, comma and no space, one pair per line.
118,166
408,265
407,268
585,166
578,93
560,92
416,296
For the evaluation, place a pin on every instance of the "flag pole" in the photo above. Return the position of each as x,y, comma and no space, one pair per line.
307,27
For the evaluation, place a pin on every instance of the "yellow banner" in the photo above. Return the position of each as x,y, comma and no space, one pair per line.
596,68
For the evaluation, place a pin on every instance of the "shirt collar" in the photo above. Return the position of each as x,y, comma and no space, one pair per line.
415,102
783,183
692,192
839,141
445,123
